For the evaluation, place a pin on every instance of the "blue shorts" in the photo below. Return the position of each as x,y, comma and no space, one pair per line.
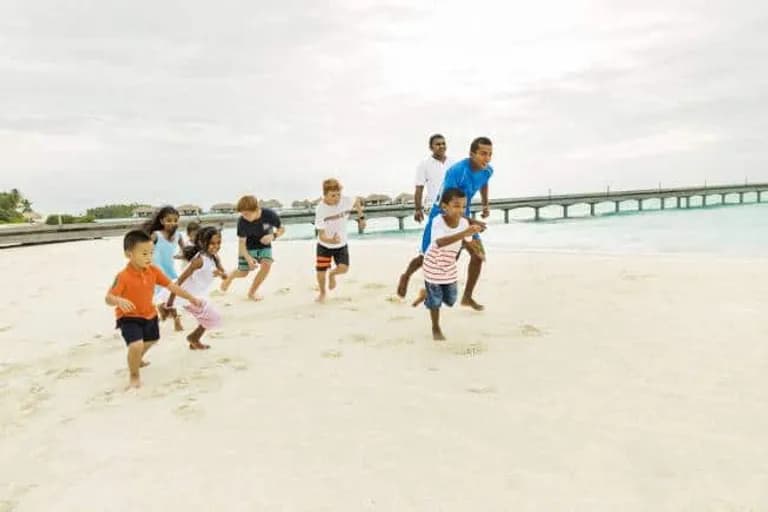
138,329
438,294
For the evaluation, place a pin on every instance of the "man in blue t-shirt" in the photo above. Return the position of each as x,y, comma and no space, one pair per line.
470,175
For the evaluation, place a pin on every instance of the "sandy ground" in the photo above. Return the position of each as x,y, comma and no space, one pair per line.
589,383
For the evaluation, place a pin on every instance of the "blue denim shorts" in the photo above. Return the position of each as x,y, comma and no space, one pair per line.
438,294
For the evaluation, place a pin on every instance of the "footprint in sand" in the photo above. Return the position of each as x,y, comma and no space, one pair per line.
350,308
467,349
82,311
97,336
8,506
103,398
530,330
68,373
357,338
34,399
189,409
235,364
399,318
395,299
375,286
216,334
331,354
283,291
5,327
481,389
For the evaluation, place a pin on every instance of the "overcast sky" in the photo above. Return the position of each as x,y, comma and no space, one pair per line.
189,101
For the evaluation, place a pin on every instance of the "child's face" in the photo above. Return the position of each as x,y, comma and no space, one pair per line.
191,233
252,215
332,197
141,254
214,245
170,222
454,208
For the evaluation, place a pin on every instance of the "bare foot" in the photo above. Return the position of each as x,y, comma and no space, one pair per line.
437,335
421,298
134,383
320,298
177,324
255,297
194,343
469,301
331,280
144,364
224,286
402,286
164,311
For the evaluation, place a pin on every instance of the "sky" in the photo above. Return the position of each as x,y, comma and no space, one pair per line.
107,101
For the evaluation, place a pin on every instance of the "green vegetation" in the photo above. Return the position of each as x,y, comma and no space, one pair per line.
113,211
53,220
13,206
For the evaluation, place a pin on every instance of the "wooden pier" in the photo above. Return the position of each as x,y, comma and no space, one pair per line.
669,198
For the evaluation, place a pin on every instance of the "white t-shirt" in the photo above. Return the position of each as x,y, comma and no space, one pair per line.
333,219
440,262
430,174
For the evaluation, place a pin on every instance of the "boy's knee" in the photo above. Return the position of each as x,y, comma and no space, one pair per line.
266,264
136,346
340,269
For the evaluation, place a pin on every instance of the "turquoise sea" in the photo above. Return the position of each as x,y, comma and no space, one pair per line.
739,230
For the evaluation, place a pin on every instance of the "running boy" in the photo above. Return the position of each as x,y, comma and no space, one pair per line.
257,228
131,295
331,218
440,273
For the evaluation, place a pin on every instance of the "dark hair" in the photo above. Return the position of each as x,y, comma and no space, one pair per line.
434,137
450,194
193,226
155,224
134,238
200,245
485,141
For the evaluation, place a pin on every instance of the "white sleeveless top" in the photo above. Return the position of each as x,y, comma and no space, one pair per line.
201,279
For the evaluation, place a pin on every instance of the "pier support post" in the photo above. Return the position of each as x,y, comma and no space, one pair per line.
678,201
401,223
565,211
618,208
592,209
722,198
759,195
639,205
506,216
704,200
663,202
741,197
687,201
536,213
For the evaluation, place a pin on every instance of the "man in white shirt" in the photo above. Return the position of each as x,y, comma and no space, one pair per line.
429,179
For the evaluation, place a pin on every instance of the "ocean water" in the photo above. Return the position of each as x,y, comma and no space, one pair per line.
738,230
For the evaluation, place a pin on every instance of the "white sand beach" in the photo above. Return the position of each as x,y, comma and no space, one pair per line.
590,383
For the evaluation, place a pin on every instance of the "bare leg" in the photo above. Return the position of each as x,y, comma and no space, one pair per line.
135,351
231,277
147,345
437,334
321,284
413,266
340,269
473,274
261,275
194,339
421,298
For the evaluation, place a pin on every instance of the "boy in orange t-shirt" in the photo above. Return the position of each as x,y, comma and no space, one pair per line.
132,294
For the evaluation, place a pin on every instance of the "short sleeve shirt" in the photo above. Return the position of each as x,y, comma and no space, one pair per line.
430,174
254,231
333,219
440,262
138,286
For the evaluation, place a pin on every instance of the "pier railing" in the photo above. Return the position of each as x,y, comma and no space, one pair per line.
667,197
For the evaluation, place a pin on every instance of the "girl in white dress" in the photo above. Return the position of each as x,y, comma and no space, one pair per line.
204,266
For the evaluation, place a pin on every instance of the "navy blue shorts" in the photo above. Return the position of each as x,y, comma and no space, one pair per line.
138,329
438,294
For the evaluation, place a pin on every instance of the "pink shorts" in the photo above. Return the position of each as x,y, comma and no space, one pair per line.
205,315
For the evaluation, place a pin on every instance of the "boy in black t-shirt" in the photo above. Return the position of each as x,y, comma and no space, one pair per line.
257,228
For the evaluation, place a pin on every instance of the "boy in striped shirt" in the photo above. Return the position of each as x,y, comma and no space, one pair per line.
449,231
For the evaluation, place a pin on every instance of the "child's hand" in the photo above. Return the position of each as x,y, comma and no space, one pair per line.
219,273
267,239
475,228
252,264
336,239
125,305
196,302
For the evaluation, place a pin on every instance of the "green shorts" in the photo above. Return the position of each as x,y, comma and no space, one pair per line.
257,254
